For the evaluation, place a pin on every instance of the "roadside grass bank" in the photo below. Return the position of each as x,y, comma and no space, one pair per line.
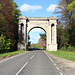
9,54
64,54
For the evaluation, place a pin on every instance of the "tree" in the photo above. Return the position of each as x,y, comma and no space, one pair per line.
71,8
67,22
43,37
42,40
16,14
8,20
60,35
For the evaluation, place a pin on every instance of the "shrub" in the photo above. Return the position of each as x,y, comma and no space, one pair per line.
69,48
5,44
63,48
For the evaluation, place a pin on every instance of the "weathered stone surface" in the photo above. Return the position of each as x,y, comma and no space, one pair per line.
48,24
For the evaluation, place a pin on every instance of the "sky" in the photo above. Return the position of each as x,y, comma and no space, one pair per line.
34,34
37,8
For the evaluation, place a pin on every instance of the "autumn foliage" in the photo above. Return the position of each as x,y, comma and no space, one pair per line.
8,20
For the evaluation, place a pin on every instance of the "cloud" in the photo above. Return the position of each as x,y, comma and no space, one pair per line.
26,8
51,8
34,39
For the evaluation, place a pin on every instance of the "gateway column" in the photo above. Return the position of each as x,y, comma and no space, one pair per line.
52,34
25,34
22,45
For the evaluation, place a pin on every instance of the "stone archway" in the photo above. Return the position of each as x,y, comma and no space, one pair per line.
46,23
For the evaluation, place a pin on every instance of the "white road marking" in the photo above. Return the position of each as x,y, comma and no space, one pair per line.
24,65
61,73
21,68
57,68
49,57
54,64
31,57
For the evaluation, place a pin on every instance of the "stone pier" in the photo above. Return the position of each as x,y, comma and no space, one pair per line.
48,24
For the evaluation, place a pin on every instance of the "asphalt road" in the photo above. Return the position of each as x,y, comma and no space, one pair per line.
31,63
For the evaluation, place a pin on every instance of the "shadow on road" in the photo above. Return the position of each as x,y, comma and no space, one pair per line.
33,49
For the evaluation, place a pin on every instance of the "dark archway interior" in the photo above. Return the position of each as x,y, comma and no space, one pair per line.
52,33
21,33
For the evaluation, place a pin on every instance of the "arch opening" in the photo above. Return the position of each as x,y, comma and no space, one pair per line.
36,39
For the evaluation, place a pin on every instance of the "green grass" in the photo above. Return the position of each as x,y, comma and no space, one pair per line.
11,53
64,54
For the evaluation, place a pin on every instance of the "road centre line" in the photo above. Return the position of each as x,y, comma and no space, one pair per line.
54,64
21,68
32,57
61,73
57,68
24,66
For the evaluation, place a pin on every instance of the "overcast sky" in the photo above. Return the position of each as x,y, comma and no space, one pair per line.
37,8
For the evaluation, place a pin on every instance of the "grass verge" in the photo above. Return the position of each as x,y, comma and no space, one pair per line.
4,55
64,54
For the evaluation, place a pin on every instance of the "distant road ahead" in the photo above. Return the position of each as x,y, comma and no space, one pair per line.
34,62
